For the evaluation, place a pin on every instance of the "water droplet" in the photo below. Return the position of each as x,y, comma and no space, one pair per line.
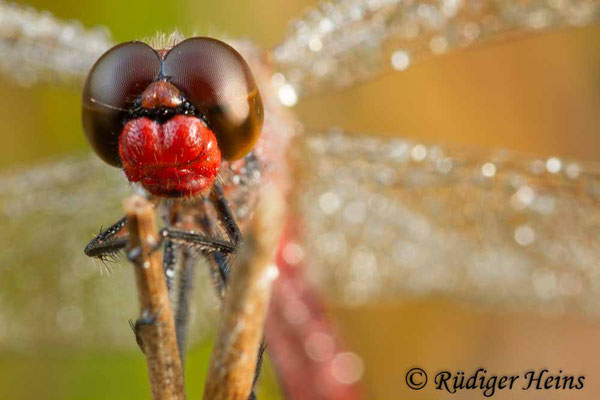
287,95
524,235
488,170
523,197
315,44
573,170
438,44
272,272
400,60
355,213
329,202
277,79
444,165
347,368
295,312
292,253
319,346
419,152
553,165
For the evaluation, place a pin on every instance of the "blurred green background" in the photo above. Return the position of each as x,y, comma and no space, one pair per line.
539,95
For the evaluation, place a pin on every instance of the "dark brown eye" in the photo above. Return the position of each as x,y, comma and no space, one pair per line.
218,82
113,84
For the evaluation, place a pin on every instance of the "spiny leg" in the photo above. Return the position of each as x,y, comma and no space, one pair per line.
170,264
182,260
186,286
259,360
221,205
219,259
195,240
222,259
106,244
226,217
145,319
182,280
180,233
183,246
179,277
219,266
179,262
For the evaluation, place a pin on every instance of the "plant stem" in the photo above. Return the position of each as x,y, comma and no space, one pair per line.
156,327
233,362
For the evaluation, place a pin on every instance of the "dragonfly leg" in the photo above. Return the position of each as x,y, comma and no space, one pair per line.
217,197
213,249
178,276
259,360
146,319
114,239
179,262
201,242
169,263
226,218
106,244
183,293
178,265
218,257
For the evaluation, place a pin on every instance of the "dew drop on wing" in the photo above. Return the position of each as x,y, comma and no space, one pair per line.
447,231
50,292
429,231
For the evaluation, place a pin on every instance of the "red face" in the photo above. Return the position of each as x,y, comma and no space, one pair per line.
175,158
169,117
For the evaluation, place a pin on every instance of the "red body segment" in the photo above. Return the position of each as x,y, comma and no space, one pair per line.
177,158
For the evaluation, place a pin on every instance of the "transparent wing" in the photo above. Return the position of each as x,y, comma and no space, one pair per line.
383,219
394,218
335,44
339,43
50,292
37,47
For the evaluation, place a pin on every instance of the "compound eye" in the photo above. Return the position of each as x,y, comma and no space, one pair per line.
218,82
112,86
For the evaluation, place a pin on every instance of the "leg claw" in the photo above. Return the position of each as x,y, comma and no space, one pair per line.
146,319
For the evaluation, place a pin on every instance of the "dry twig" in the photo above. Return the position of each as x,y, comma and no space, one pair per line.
156,327
232,365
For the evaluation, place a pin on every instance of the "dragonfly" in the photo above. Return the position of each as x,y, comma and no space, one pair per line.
380,218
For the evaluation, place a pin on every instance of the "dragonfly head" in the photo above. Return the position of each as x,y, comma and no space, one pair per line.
169,117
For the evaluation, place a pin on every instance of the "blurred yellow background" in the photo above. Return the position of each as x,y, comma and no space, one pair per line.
539,95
